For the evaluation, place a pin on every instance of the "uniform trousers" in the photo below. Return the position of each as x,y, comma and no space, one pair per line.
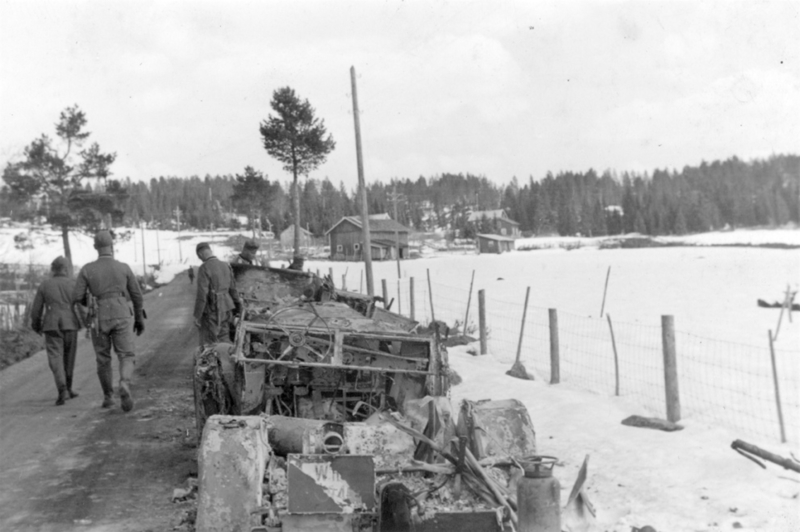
61,347
116,333
214,327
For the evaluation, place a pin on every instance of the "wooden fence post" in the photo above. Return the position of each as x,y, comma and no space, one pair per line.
777,388
605,289
399,289
330,272
411,297
344,281
616,358
469,301
482,320
385,293
670,369
430,298
522,325
555,361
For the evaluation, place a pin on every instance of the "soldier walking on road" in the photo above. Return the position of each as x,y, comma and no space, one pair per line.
217,300
114,286
248,254
60,325
191,275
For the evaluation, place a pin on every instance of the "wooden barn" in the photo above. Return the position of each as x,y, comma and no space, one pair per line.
496,222
346,239
307,239
494,244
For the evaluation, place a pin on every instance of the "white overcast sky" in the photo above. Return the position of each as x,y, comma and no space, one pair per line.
497,88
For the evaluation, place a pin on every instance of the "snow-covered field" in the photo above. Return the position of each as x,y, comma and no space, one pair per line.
689,480
174,251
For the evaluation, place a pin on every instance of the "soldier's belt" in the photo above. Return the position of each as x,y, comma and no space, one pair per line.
110,295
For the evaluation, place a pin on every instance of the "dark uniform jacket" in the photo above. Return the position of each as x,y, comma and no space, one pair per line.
113,284
54,297
216,289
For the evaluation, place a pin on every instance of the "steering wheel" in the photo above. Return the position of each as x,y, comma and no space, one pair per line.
298,338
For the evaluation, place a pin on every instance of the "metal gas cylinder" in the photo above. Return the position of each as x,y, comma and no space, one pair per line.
539,496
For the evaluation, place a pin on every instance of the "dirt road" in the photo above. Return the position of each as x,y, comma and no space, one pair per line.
79,467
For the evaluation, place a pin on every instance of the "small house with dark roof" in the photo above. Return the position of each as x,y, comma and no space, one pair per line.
498,222
494,244
387,238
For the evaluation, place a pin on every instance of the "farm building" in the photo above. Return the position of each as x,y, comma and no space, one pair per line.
346,239
494,244
494,222
306,238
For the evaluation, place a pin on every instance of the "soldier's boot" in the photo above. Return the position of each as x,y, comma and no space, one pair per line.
126,371
62,396
107,384
72,395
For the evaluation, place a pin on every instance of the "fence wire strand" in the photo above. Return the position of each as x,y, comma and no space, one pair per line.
720,382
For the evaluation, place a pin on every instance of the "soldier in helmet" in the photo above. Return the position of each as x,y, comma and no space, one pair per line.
114,286
217,300
248,254
52,314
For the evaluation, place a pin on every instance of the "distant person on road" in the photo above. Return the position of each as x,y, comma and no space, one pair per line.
114,287
217,300
52,314
248,254
191,275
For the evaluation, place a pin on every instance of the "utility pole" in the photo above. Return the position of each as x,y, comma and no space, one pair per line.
269,240
366,250
158,243
178,215
144,260
395,198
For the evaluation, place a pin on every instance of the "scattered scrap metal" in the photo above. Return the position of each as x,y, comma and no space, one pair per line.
328,412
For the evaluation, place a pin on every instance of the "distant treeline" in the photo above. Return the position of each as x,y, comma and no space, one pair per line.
731,193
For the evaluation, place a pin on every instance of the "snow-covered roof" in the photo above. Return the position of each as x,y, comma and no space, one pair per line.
477,216
496,237
289,231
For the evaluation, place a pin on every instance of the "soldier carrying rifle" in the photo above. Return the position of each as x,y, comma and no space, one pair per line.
90,320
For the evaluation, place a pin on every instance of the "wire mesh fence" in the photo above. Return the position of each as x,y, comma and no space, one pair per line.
17,286
720,382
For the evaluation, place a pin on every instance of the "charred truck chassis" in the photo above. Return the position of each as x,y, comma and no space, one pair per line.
318,417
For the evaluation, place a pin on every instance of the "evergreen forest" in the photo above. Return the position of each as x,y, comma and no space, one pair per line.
721,194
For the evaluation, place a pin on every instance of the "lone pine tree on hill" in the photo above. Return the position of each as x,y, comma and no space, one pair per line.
295,137
50,177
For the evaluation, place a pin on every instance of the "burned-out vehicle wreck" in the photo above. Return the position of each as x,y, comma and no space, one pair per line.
327,412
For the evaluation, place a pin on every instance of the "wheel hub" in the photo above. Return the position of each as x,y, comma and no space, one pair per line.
297,339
